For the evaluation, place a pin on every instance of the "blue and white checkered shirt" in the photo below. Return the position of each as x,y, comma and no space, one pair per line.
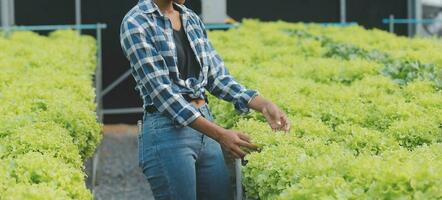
147,41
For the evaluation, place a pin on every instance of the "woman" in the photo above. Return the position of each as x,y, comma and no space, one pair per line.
173,64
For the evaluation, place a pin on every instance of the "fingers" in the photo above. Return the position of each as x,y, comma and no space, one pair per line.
274,125
243,140
244,137
276,122
247,145
234,154
286,123
273,117
280,123
238,152
276,118
247,142
287,126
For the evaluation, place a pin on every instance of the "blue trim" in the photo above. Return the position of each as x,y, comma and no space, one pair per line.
57,27
230,26
339,23
410,21
221,26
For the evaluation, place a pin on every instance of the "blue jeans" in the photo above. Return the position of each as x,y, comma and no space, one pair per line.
180,162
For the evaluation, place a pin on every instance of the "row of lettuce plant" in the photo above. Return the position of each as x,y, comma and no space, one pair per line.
356,133
48,125
401,70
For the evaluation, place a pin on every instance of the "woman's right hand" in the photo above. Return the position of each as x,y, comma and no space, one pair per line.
232,140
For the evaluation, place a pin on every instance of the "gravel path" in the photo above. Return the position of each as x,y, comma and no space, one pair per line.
118,175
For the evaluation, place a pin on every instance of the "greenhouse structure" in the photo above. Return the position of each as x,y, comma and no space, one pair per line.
220,99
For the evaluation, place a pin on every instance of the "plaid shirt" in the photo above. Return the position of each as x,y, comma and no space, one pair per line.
147,41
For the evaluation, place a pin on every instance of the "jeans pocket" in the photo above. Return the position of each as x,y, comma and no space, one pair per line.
164,122
159,121
146,147
205,111
211,114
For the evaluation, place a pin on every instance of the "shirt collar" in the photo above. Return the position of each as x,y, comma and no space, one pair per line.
148,6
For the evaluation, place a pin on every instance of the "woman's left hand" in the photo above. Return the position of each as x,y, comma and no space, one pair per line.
276,118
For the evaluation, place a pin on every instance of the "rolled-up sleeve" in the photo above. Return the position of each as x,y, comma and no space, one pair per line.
223,85
151,72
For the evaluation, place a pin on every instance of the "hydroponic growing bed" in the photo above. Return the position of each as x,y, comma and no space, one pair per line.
366,109
48,125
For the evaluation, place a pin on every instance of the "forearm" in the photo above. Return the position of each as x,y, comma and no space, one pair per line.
258,103
207,127
213,130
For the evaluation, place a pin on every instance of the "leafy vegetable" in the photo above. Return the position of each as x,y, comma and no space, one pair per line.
366,111
48,125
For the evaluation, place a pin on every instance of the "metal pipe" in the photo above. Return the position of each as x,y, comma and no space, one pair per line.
11,12
5,15
391,27
95,160
211,26
78,14
98,79
116,83
58,27
239,192
411,21
418,13
410,14
343,10
98,76
116,111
